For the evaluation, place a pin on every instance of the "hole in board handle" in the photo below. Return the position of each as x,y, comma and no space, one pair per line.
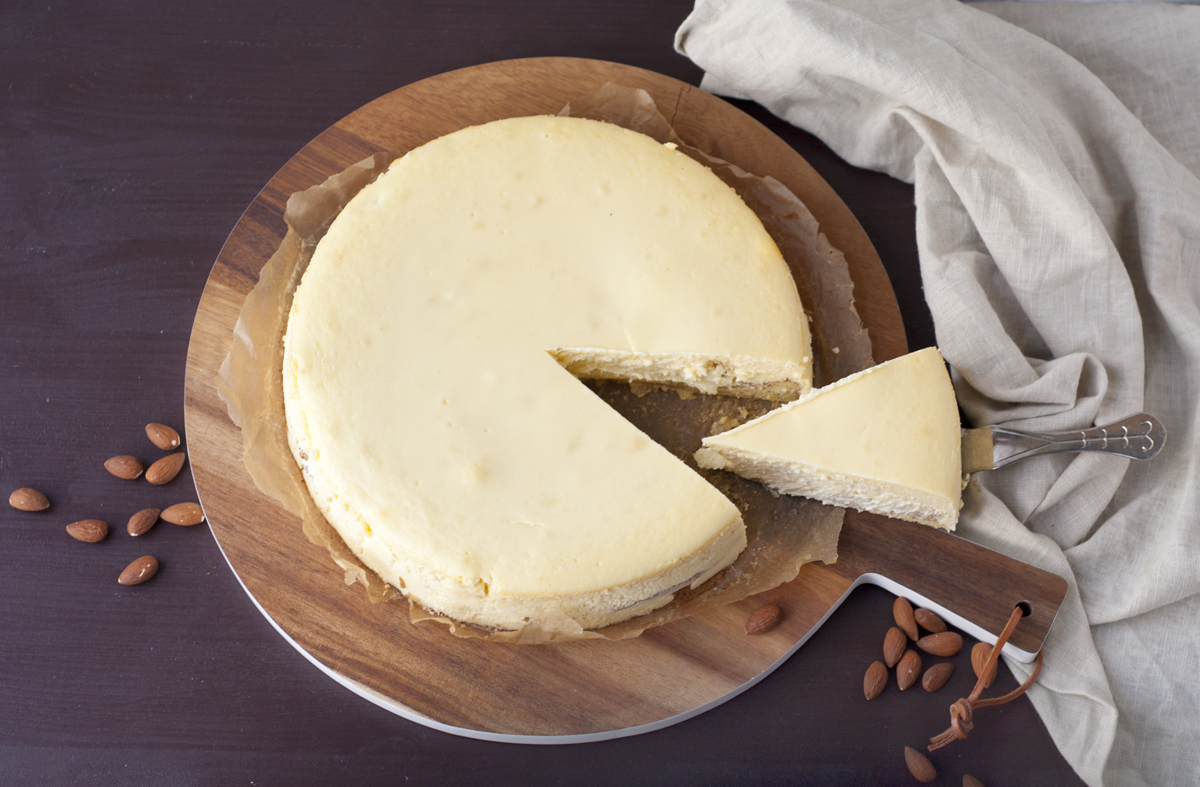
1026,608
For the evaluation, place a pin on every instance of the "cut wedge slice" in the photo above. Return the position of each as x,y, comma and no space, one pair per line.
885,440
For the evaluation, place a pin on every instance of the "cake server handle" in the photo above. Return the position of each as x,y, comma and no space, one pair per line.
1139,436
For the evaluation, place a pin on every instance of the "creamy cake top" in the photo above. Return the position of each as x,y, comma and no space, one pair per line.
896,422
434,426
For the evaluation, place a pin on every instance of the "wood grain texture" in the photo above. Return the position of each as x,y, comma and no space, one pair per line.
584,687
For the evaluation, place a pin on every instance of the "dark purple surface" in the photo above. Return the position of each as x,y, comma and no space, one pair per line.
132,137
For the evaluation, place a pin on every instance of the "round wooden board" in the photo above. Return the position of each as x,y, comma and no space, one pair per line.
575,691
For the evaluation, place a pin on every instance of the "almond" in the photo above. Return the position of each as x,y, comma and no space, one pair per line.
936,676
894,645
139,571
88,530
971,781
902,611
26,499
947,643
979,657
919,765
929,621
188,514
165,469
875,680
142,521
126,467
163,436
908,669
763,619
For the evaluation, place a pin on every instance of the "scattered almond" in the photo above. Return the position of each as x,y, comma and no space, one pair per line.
894,645
142,521
947,643
188,514
163,436
875,680
902,611
126,467
166,468
88,530
908,669
139,571
919,765
979,656
929,621
763,619
26,499
936,676
971,781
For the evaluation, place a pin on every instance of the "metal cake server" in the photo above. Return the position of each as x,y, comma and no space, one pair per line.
1139,436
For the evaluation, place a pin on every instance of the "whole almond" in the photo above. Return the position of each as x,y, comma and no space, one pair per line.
875,680
929,621
893,646
26,499
88,530
163,436
971,781
947,643
186,514
902,611
142,521
126,467
139,571
763,619
919,765
979,657
936,676
908,669
165,469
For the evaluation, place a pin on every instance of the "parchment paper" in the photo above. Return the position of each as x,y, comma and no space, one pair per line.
783,533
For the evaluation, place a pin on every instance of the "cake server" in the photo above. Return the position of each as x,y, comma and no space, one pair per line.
1138,436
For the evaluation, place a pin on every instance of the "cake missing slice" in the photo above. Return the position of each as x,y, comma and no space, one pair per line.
885,440
426,398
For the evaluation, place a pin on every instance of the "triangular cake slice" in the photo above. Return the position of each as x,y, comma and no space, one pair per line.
886,440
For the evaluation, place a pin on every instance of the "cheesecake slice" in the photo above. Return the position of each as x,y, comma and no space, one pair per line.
885,440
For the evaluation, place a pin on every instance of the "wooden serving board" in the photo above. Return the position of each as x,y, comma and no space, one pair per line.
590,689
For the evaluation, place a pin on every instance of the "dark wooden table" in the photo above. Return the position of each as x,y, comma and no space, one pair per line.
132,136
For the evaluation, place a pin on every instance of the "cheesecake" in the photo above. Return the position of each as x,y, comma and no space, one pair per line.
433,350
885,440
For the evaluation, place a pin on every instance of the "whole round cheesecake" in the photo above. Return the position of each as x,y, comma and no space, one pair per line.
434,342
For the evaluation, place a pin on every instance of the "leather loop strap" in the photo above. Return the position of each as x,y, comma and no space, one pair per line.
963,710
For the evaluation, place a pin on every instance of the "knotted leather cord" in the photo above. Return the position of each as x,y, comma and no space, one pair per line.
961,712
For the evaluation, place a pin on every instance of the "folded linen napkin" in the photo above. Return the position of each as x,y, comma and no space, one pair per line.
1054,151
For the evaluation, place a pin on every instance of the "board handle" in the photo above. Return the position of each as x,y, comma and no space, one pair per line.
970,586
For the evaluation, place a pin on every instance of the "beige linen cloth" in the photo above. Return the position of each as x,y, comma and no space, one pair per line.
1054,150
